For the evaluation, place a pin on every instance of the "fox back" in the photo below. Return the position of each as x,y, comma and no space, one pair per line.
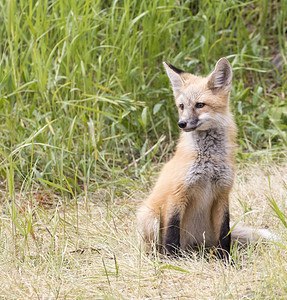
189,205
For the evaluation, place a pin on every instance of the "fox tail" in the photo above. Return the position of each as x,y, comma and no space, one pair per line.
244,234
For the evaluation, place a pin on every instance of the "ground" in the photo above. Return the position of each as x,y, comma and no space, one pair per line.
90,248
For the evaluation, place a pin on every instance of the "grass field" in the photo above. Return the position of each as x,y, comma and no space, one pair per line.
90,249
87,118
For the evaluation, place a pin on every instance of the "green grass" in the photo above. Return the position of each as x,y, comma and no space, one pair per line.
94,70
87,117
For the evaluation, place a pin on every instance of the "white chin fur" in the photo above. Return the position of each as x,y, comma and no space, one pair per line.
210,121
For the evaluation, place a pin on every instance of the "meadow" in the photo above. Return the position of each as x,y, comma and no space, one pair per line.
87,119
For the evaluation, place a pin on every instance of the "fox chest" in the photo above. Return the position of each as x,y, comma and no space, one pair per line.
204,180
215,173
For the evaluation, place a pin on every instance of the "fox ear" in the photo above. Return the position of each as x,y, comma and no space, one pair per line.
221,78
174,75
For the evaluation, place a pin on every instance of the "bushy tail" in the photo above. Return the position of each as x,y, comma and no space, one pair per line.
148,226
244,234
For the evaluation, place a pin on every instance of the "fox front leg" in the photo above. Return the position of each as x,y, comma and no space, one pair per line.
171,237
220,220
224,237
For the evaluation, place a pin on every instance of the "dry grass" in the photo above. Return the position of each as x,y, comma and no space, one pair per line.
91,250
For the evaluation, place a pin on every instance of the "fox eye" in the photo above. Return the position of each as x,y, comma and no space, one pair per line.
181,106
199,105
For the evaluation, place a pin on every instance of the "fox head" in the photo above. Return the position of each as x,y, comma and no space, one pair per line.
203,102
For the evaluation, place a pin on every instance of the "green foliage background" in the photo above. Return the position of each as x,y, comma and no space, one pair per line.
84,98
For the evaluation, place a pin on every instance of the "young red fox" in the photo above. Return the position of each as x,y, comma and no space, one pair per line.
189,204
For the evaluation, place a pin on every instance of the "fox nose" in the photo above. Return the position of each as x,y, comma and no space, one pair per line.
181,124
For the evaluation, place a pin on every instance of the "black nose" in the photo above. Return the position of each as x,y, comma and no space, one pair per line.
181,124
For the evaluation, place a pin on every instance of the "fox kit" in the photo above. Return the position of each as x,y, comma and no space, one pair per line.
189,205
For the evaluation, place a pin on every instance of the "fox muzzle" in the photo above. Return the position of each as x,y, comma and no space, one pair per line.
181,124
188,126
